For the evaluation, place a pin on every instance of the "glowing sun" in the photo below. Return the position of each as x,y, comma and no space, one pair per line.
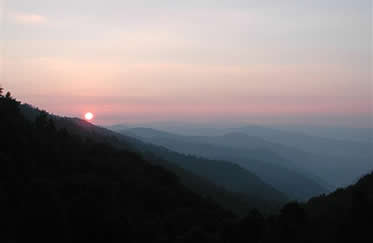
88,116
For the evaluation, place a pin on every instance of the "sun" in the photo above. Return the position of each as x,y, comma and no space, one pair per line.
88,116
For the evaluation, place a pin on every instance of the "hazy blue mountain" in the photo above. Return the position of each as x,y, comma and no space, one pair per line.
66,180
362,134
224,174
230,185
327,146
118,127
177,127
338,162
273,169
333,162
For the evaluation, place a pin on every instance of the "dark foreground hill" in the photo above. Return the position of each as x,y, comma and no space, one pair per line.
60,187
232,186
344,216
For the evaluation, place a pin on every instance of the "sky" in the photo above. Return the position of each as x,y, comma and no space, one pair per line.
229,61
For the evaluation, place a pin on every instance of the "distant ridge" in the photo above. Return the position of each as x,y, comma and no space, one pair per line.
236,195
251,153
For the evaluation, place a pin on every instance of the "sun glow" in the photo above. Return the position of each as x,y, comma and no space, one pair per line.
88,116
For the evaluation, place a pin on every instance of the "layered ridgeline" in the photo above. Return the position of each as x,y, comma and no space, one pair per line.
342,216
252,153
59,187
330,157
230,185
63,180
338,159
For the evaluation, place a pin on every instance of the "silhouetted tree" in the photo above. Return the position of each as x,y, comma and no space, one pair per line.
8,95
292,222
252,227
293,213
42,120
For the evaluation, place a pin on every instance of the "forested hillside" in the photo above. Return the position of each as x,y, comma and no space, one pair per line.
252,154
58,186
232,186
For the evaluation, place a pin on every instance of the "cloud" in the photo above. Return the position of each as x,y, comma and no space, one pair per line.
27,18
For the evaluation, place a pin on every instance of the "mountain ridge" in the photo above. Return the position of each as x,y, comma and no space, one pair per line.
274,172
231,193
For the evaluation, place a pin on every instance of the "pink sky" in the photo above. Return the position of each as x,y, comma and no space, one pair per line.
234,61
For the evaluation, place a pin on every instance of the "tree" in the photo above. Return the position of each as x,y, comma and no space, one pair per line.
252,227
41,121
1,91
8,95
293,212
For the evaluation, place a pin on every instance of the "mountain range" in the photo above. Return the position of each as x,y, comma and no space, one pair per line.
259,160
66,180
332,162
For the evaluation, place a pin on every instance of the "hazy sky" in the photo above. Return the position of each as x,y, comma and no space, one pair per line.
236,61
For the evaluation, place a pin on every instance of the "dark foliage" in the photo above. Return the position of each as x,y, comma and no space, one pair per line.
261,158
59,186
197,174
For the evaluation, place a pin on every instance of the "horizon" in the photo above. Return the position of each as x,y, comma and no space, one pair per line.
232,62
186,121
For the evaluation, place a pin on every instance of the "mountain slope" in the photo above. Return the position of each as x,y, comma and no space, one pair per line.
59,187
273,169
332,162
338,161
226,175
213,179
343,216
56,186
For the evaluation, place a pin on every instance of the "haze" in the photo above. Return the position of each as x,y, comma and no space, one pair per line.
277,62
